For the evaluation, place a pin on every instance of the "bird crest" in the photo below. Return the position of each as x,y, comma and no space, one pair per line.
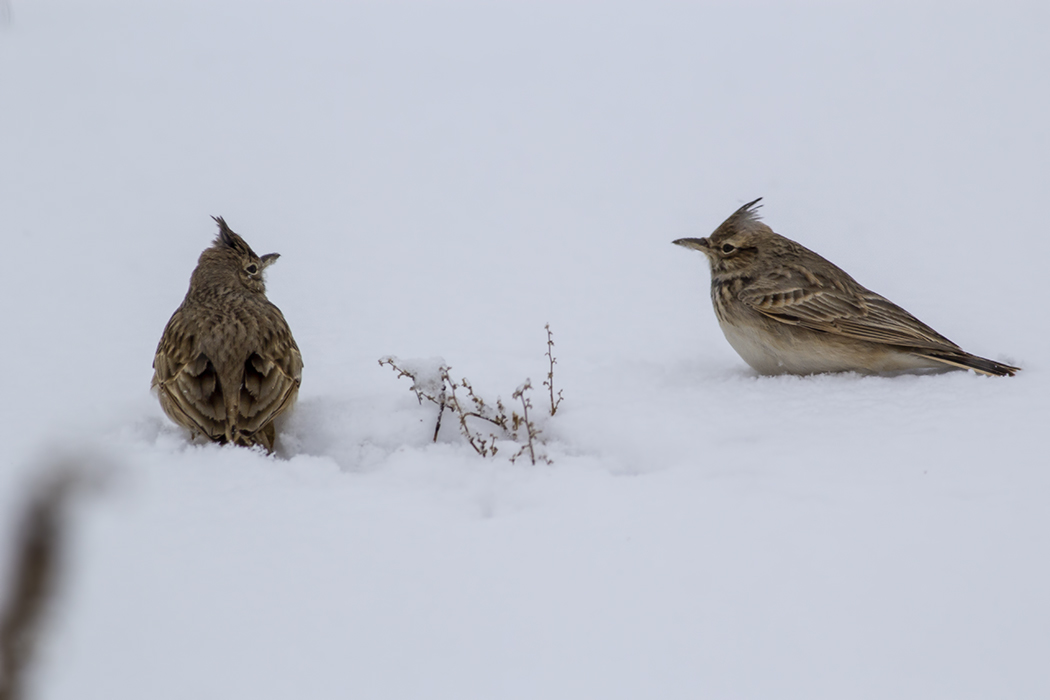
743,217
228,239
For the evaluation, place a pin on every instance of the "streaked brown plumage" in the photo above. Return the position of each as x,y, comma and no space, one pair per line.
785,309
227,364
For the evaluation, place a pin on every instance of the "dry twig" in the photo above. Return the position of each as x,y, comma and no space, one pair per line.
34,577
531,431
467,405
550,373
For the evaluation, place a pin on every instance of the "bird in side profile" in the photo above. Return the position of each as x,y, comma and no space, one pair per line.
785,309
227,364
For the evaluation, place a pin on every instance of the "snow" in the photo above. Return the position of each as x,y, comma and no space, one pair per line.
442,180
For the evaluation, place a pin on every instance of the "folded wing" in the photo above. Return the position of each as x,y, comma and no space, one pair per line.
801,298
187,383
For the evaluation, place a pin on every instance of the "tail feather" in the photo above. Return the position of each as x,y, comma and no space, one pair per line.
965,360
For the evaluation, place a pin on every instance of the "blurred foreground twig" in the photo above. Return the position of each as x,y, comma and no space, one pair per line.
34,575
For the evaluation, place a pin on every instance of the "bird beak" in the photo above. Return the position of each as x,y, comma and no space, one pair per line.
700,244
269,259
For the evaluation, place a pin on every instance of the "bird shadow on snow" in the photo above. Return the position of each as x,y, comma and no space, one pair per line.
363,433
355,433
359,433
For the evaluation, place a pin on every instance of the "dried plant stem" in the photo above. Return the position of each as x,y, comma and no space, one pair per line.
531,433
35,576
555,402
481,445
459,397
441,411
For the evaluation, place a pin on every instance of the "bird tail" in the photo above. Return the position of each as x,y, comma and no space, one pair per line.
965,360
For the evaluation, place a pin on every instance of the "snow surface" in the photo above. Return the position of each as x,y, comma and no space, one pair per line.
442,179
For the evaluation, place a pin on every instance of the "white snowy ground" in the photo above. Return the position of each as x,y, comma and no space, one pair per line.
442,179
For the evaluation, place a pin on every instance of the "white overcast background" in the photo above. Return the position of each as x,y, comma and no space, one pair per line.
444,178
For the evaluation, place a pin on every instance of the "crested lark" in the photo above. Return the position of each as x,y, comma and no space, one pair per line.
227,364
785,309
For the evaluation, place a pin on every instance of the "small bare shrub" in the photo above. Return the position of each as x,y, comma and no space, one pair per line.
470,409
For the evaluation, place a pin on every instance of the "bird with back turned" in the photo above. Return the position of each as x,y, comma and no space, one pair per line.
227,365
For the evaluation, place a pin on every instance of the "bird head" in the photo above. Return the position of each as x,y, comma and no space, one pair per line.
235,255
735,244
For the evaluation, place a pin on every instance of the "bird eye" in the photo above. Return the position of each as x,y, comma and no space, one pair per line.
252,269
727,248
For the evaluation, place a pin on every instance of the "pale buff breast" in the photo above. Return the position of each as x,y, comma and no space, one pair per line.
782,349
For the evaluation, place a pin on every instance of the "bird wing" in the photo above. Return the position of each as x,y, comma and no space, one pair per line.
272,375
186,381
799,297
